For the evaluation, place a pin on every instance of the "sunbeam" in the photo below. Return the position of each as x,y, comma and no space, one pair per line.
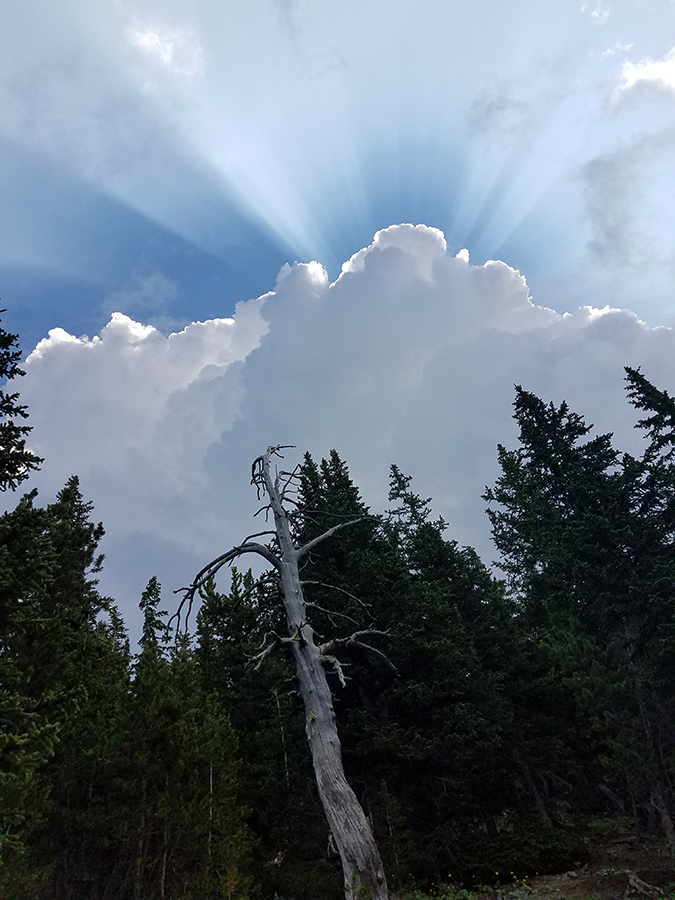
306,127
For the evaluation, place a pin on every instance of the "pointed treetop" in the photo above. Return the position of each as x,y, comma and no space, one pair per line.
16,462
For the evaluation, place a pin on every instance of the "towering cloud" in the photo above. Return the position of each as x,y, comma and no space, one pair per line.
410,356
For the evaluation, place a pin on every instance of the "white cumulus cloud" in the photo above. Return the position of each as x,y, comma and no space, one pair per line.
658,73
410,356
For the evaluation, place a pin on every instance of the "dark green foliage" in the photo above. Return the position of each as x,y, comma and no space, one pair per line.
556,506
266,713
182,825
518,851
480,721
154,627
586,538
425,746
16,462
113,779
49,632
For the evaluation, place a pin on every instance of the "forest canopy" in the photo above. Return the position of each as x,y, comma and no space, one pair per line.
487,721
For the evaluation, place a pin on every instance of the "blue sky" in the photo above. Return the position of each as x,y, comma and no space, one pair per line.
165,161
210,142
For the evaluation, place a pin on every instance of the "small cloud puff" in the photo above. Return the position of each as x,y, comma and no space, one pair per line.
598,11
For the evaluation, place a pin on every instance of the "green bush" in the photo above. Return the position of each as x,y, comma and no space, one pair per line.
525,849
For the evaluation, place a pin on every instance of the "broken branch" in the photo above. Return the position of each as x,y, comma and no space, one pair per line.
322,537
334,587
353,641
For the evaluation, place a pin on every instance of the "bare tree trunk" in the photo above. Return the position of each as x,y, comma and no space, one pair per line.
361,863
165,860
138,867
539,804
210,812
657,800
165,847
283,742
659,804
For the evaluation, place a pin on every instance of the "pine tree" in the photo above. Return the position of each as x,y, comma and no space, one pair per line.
184,821
587,545
68,667
264,708
434,750
16,462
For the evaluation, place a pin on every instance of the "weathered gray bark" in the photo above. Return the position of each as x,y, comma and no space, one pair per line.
362,867
539,804
658,802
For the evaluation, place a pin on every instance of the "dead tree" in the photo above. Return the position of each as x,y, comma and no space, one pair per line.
361,863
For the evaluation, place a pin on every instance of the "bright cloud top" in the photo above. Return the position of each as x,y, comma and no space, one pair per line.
131,382
410,356
318,123
659,73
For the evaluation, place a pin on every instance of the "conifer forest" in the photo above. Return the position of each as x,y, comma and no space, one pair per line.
488,718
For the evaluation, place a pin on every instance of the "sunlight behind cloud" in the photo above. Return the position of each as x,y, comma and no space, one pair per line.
176,49
317,125
409,357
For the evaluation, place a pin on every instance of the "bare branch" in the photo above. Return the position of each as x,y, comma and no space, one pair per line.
291,477
261,464
334,587
353,641
322,537
330,613
260,658
240,550
287,499
380,655
257,534
335,643
337,667
187,598
210,570
276,642
274,451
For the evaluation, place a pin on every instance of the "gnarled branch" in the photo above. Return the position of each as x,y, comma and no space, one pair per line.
210,570
276,642
334,587
330,613
337,667
331,646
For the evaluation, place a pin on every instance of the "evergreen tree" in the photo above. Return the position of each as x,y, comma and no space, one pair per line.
263,705
16,462
587,545
67,664
436,751
184,830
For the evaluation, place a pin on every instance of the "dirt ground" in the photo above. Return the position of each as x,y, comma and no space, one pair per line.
619,868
